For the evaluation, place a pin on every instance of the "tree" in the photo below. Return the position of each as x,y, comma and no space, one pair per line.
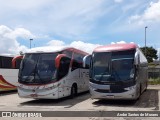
151,53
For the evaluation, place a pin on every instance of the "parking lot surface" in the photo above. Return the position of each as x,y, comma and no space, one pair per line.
149,101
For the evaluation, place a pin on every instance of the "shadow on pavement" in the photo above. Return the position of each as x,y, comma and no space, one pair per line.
3,93
66,101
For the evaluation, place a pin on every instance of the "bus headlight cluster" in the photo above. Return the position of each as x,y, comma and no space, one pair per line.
132,75
130,88
53,87
50,88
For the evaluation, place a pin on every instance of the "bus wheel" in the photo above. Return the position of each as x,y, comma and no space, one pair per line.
73,90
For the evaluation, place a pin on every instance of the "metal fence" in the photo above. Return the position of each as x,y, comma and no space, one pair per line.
154,73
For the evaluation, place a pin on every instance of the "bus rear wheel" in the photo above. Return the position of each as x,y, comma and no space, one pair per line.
73,91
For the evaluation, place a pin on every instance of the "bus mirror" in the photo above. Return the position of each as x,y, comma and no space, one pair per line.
58,59
136,58
15,63
86,61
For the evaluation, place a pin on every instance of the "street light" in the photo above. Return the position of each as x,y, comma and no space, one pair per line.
30,42
145,40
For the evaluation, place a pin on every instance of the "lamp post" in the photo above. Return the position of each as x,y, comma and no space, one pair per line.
145,40
30,42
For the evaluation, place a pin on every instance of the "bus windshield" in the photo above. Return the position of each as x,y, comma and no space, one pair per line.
38,68
113,66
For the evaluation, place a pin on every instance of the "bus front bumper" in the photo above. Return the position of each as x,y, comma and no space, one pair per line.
128,95
38,95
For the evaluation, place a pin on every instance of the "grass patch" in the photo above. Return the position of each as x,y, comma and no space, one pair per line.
155,81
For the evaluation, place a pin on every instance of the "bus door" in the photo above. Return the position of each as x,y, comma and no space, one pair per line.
62,65
77,69
76,74
84,78
85,70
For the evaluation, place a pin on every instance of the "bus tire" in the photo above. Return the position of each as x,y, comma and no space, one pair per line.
73,91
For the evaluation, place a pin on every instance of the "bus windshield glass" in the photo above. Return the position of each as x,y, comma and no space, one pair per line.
113,66
37,68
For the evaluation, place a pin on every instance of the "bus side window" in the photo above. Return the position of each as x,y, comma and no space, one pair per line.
88,62
6,62
77,61
18,63
75,65
64,67
68,53
0,62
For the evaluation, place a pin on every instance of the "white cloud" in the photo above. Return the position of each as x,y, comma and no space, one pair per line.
58,44
67,18
88,47
119,42
8,39
118,1
134,5
21,32
150,15
54,45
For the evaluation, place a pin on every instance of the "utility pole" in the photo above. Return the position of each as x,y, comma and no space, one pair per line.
30,43
145,40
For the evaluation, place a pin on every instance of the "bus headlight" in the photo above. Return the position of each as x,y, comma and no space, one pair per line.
130,88
53,87
132,75
50,88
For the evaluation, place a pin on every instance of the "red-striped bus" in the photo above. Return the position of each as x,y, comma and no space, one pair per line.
8,73
53,74
117,71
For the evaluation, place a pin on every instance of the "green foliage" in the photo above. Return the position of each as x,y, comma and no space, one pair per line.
151,53
154,81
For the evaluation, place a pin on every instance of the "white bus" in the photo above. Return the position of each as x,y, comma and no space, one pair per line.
8,74
53,74
117,71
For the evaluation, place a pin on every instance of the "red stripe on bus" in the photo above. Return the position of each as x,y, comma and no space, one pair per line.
14,60
40,84
2,86
3,80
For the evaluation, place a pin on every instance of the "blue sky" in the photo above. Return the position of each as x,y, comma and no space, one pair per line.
82,22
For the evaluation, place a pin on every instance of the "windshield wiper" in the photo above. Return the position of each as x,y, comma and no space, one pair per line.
36,73
32,72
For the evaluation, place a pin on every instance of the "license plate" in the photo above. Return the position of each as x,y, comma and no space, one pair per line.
110,96
34,95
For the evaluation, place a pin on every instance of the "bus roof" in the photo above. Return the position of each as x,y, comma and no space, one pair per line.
7,55
49,49
115,47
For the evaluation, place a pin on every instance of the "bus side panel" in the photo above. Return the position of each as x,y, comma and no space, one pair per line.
143,70
73,77
84,77
78,76
63,88
143,77
10,75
